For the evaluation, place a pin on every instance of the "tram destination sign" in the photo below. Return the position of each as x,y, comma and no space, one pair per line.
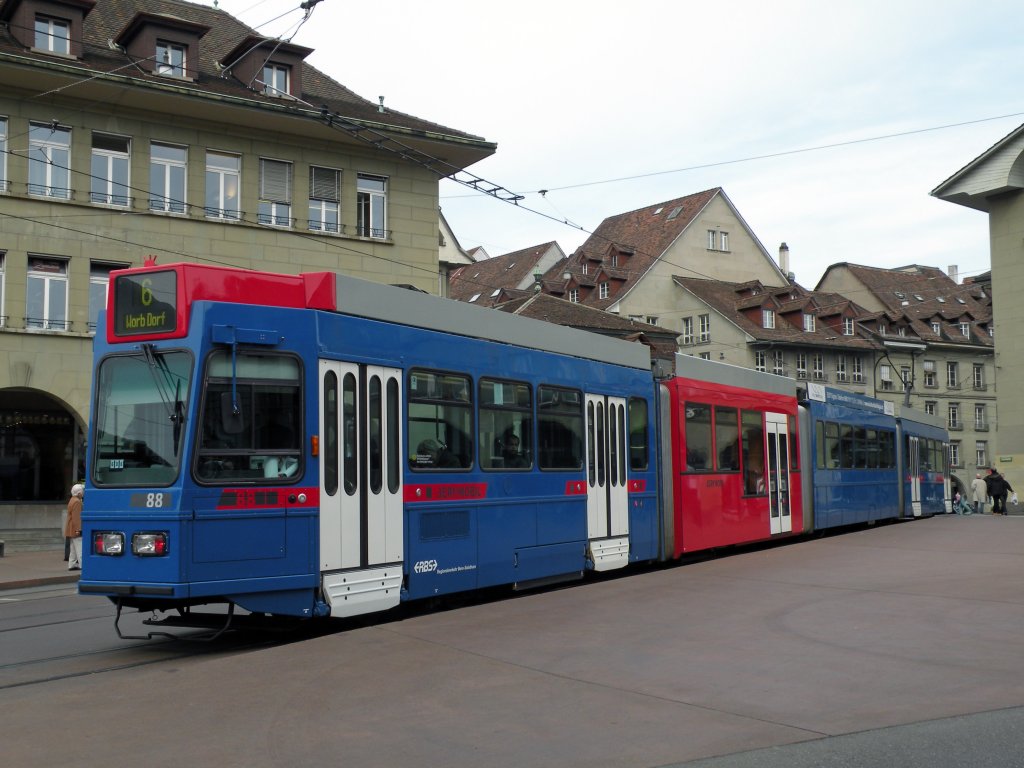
145,303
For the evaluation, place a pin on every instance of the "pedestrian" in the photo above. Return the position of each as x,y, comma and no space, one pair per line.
998,489
73,527
979,493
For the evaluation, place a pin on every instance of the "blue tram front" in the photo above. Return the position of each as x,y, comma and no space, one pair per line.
290,458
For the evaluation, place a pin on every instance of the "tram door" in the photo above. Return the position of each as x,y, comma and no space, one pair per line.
914,473
777,433
361,538
607,496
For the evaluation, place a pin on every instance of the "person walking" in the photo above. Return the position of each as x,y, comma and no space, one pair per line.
73,527
979,493
998,489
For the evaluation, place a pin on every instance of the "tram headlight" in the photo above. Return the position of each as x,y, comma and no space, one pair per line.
109,543
149,543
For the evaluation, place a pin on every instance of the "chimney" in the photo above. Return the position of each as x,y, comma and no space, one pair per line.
784,259
954,273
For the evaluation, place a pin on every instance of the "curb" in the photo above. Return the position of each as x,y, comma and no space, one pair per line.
41,581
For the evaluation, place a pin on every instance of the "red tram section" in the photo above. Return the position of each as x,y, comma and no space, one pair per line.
735,462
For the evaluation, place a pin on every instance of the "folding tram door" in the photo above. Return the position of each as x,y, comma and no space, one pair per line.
777,434
913,470
607,460
361,537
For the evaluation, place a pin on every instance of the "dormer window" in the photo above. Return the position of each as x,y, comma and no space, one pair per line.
808,323
848,326
936,328
170,59
276,79
965,329
768,318
53,35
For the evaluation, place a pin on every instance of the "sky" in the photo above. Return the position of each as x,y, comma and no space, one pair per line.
827,123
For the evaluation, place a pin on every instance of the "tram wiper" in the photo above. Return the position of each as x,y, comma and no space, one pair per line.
175,409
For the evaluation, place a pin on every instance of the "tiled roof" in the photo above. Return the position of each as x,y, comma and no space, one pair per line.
109,18
729,301
541,306
640,237
501,272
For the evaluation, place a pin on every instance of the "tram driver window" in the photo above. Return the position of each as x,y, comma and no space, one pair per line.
250,427
506,425
440,424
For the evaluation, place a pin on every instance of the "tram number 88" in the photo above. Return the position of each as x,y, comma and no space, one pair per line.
151,500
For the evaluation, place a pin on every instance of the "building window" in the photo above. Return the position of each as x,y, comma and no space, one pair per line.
371,206
881,329
49,160
778,363
858,369
46,294
111,160
652,320
53,35
929,373
936,329
979,376
276,80
3,317
929,407
980,417
99,279
767,318
981,453
168,168
905,376
952,376
761,361
712,239
885,377
809,323
847,326
840,367
170,59
801,365
574,295
223,180
965,329
704,355
324,199
275,193
954,416
704,328
723,241
687,331
602,290
614,260
954,453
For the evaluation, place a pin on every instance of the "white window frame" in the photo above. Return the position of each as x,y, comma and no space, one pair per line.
171,162
952,375
885,377
936,328
275,203
768,318
4,183
53,33
847,326
704,328
953,412
801,365
929,407
223,186
965,330
603,290
980,416
324,199
99,281
574,295
3,316
840,367
723,241
858,369
778,362
171,59
761,361
687,331
53,312
49,161
954,453
818,365
276,79
979,375
110,179
372,206
981,453
905,376
809,322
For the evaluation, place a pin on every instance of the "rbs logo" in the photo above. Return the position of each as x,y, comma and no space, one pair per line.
425,566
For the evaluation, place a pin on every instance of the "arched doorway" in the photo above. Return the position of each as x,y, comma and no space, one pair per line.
42,447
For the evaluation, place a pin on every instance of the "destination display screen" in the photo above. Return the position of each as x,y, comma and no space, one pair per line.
145,303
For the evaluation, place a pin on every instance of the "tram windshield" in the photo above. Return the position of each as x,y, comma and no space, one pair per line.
139,417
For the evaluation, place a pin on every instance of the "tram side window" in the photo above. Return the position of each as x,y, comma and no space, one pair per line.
440,421
697,437
638,431
887,449
505,431
727,439
559,428
753,454
794,460
251,417
859,443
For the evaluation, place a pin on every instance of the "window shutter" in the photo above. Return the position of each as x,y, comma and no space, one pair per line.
275,181
324,184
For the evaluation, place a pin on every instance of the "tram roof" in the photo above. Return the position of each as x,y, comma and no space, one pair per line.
692,367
